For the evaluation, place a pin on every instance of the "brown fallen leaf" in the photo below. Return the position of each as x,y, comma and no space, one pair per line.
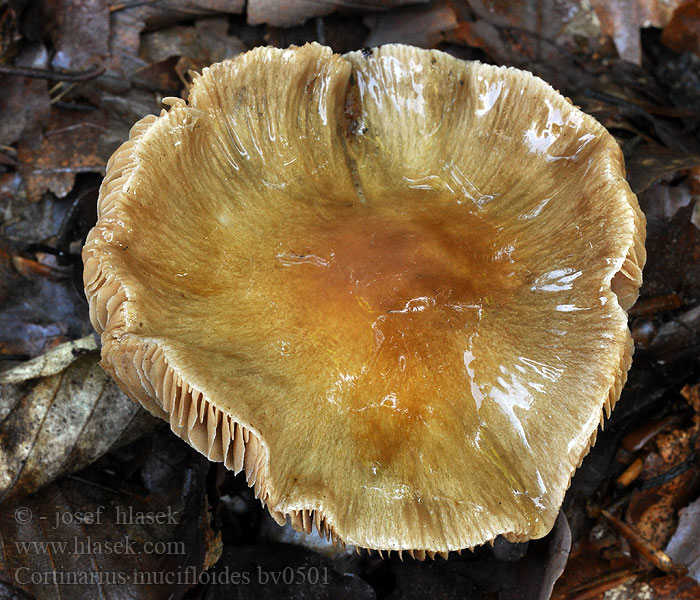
207,42
168,12
692,394
25,102
652,305
79,31
673,248
682,33
283,13
70,146
595,588
423,26
622,20
557,21
485,36
658,13
58,413
129,19
533,29
670,587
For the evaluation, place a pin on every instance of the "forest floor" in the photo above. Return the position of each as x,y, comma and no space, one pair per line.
76,74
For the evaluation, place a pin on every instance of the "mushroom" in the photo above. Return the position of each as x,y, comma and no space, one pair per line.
390,286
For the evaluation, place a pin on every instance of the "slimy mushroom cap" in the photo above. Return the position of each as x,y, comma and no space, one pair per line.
390,286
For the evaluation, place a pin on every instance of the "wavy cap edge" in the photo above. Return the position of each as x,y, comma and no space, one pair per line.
142,370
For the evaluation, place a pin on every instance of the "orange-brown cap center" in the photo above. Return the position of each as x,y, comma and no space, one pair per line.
393,300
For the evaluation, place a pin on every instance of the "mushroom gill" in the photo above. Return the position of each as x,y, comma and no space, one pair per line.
390,286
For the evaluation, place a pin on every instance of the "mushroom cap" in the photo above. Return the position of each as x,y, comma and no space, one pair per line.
390,286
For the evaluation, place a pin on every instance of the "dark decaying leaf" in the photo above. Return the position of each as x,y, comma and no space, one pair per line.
653,506
533,576
129,19
41,290
58,413
7,593
168,12
423,26
682,33
683,547
94,536
282,13
673,588
663,201
8,27
620,20
658,588
673,250
542,37
280,571
667,480
650,162
681,74
677,342
124,40
537,574
40,308
70,146
206,42
438,579
483,576
25,102
78,30
550,24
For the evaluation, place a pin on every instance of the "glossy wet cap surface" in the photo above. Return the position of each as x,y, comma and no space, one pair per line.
387,285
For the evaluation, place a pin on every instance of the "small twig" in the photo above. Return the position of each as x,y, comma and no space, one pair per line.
599,585
3,226
689,462
656,557
651,306
512,29
670,474
631,473
59,96
127,5
8,155
637,105
27,267
57,252
17,357
99,486
75,106
49,75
